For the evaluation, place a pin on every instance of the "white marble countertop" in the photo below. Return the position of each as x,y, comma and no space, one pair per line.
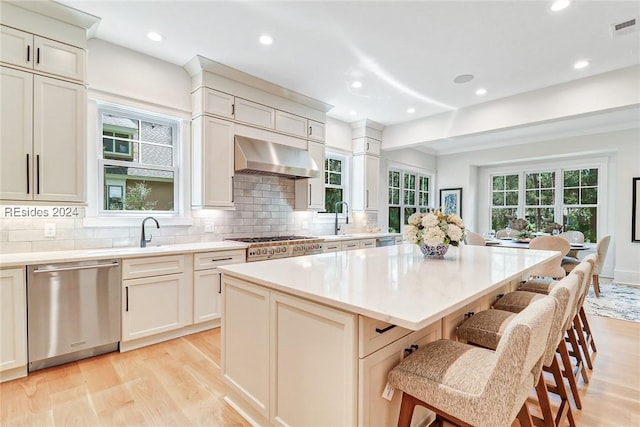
354,236
395,284
27,258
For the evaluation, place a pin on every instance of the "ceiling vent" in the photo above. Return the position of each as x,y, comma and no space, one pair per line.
626,27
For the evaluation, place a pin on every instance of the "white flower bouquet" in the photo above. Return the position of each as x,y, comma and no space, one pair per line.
434,228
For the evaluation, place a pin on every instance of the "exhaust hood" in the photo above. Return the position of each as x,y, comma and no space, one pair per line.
255,156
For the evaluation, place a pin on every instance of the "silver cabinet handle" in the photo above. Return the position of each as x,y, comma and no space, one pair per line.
367,203
80,267
309,194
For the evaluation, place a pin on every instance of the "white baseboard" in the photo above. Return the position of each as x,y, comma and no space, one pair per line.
627,277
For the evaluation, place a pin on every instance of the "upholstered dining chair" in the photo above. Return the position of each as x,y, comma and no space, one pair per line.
473,386
475,239
573,236
551,243
602,247
486,327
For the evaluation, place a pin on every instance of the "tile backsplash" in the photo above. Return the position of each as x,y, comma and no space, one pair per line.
263,207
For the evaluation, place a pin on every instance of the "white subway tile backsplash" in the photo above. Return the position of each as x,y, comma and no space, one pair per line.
263,207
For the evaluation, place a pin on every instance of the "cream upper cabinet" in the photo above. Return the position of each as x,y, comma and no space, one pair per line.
316,131
13,324
254,113
366,182
290,123
212,163
366,145
309,193
42,138
208,101
42,54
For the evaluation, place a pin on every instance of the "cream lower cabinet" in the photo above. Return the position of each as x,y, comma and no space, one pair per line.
13,324
276,360
374,410
157,295
207,282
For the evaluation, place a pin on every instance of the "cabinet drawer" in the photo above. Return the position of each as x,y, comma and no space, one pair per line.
332,247
153,266
256,114
350,244
206,260
368,243
374,334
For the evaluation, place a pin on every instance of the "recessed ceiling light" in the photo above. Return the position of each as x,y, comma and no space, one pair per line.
266,39
411,110
580,64
559,5
481,91
353,113
357,84
154,36
463,78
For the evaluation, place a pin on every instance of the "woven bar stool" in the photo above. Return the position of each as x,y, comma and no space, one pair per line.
473,386
486,327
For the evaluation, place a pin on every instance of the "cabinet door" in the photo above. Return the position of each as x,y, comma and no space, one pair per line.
212,163
16,47
13,322
60,59
313,358
209,101
366,182
316,131
59,140
153,304
290,123
16,135
245,342
366,145
373,409
253,113
309,193
207,287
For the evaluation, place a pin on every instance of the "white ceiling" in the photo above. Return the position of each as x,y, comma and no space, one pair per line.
405,53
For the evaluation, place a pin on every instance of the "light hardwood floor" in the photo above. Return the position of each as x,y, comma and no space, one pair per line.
178,383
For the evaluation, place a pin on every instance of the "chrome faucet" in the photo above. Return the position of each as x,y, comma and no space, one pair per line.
143,240
335,208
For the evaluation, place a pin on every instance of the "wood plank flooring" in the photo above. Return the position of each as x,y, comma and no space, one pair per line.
178,383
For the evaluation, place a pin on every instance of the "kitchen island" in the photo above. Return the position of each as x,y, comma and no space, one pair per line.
309,340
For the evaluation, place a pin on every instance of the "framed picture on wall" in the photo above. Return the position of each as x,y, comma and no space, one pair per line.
635,213
451,201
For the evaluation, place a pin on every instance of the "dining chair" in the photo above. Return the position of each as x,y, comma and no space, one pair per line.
475,239
473,386
573,236
552,268
602,247
486,328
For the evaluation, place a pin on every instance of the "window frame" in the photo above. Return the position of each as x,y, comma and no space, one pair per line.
176,147
559,167
417,191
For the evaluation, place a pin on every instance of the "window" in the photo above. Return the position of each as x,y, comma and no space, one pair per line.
409,192
138,165
334,182
541,198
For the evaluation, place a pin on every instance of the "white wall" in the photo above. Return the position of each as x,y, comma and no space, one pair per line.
337,135
618,151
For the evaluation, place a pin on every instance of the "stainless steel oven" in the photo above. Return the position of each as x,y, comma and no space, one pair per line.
263,248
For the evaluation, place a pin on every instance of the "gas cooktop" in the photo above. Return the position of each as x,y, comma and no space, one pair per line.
270,239
262,248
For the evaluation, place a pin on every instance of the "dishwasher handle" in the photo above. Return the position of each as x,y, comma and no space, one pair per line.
79,267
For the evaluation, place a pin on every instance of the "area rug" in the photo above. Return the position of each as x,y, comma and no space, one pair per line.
616,300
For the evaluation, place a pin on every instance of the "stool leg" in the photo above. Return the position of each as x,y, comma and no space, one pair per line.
582,341
406,410
571,334
568,373
524,416
545,404
560,388
587,329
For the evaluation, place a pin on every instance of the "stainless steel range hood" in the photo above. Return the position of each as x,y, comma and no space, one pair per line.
254,156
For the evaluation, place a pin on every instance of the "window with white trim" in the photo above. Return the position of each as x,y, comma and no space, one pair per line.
335,182
409,192
542,199
138,162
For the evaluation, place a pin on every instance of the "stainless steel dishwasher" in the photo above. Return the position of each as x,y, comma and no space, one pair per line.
73,311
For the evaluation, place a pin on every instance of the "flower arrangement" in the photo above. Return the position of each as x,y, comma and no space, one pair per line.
434,228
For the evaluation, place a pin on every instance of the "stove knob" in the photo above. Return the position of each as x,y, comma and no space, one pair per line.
271,251
264,251
284,249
